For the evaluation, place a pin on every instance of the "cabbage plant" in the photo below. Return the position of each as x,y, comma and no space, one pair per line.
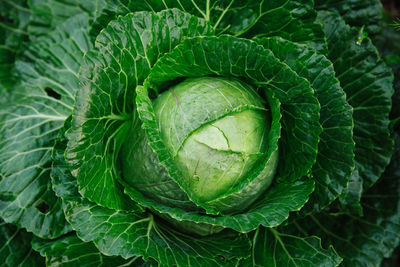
196,133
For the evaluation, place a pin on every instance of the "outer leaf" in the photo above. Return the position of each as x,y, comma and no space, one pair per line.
274,248
13,20
335,159
271,210
14,16
119,233
127,48
367,82
364,241
356,12
49,14
15,247
293,20
71,251
350,199
7,55
43,99
388,44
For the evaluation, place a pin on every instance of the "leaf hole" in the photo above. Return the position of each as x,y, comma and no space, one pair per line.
50,92
6,20
43,207
47,165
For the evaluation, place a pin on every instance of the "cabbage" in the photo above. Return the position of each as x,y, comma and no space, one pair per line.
196,133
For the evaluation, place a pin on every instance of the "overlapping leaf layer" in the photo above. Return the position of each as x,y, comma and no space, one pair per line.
78,81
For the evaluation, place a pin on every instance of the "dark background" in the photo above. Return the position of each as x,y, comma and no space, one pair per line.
393,6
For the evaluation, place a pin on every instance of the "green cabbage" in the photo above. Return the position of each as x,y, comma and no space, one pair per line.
196,133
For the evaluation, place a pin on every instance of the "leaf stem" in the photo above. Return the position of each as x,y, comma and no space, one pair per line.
7,27
208,10
8,48
223,14
199,10
21,8
278,238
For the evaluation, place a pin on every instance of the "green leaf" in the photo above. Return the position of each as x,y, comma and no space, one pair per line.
71,251
13,22
350,199
14,18
367,82
293,20
15,247
363,241
29,126
274,248
388,43
119,233
7,57
270,210
104,111
335,159
358,13
49,14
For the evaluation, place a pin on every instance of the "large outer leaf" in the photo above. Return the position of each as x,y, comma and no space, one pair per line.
13,20
71,251
49,14
127,48
30,124
270,210
367,82
7,57
274,248
335,159
293,20
363,241
15,247
356,12
388,43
